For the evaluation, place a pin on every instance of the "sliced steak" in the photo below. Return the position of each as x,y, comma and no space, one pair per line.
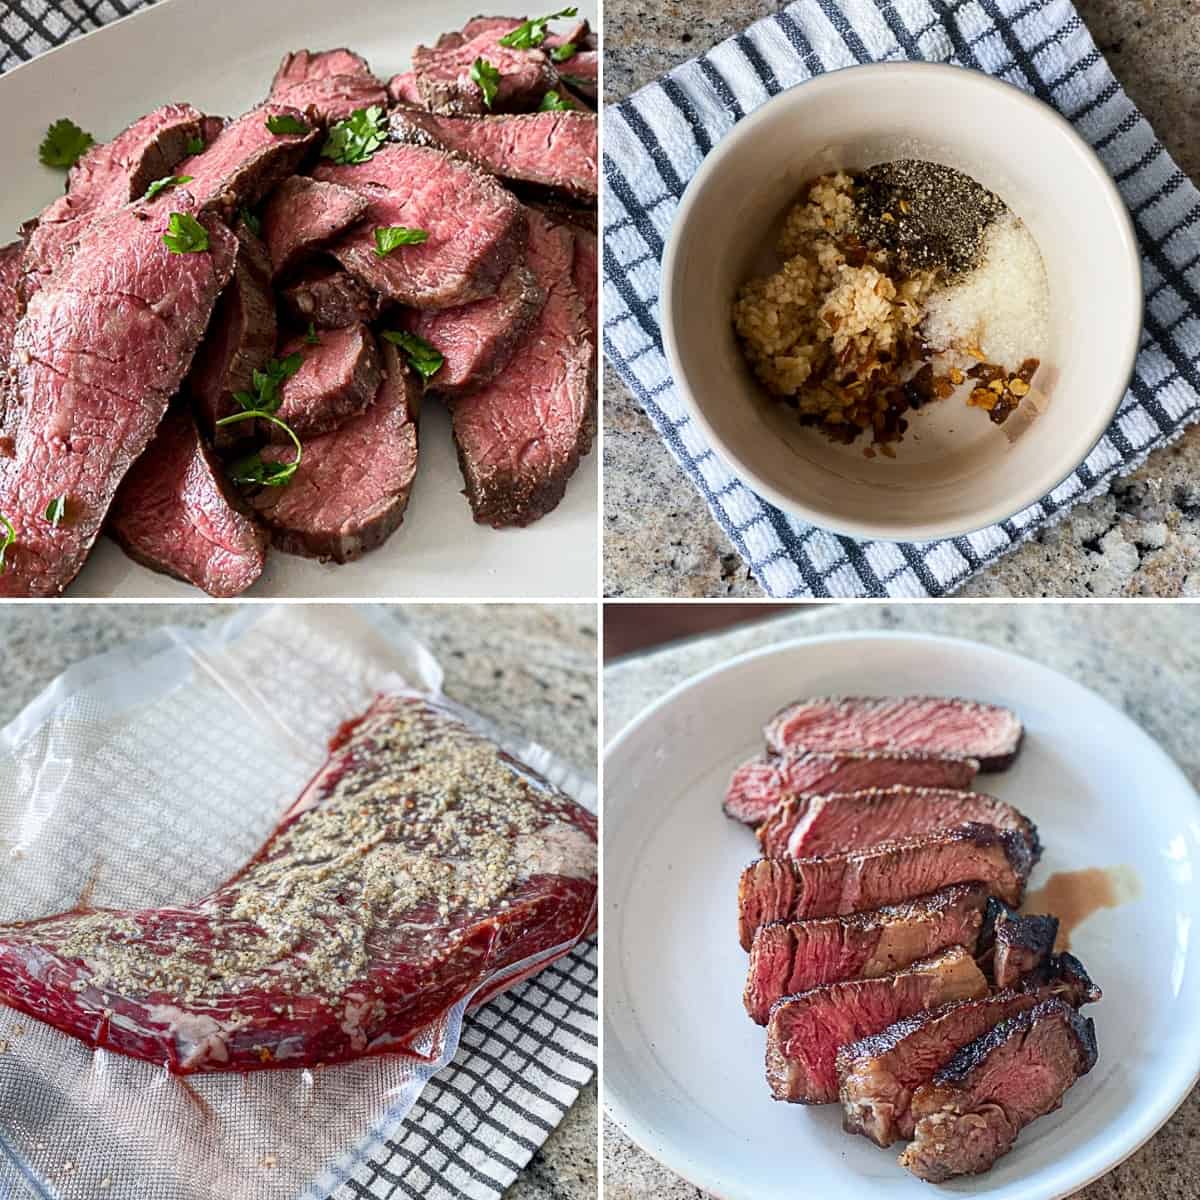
879,1074
338,378
574,216
1017,943
332,82
402,89
550,149
809,826
971,1112
478,340
581,73
444,75
783,889
586,275
351,490
521,438
11,257
330,298
936,724
786,958
176,513
805,1032
759,785
101,349
304,214
477,230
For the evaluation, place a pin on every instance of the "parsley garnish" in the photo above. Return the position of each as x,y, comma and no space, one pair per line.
563,52
421,354
388,238
265,398
553,102
253,223
56,511
185,235
251,468
10,536
310,338
285,123
195,145
356,139
531,34
64,144
160,185
488,79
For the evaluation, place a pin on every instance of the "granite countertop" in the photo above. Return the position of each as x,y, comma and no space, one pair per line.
530,668
1145,659
1140,539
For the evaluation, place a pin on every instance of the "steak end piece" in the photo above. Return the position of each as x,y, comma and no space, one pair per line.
337,379
1018,943
330,298
303,215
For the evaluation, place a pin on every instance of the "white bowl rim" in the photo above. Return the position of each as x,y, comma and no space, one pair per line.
1090,432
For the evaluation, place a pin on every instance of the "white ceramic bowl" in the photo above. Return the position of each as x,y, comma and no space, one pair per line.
955,471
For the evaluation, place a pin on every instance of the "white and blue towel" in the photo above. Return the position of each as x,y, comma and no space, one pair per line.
655,141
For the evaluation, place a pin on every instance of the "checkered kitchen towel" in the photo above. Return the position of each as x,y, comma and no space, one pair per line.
656,139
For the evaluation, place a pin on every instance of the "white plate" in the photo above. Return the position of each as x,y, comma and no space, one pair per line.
220,55
683,1065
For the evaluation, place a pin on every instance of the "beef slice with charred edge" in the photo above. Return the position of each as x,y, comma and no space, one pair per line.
561,212
972,1110
304,214
761,784
1015,943
176,513
331,82
444,75
352,487
478,340
101,349
585,267
477,230
878,1075
550,149
521,437
810,826
337,379
790,957
937,724
10,304
783,889
805,1032
329,297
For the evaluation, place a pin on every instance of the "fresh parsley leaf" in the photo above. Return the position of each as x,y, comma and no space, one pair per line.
356,139
265,398
553,102
388,238
185,235
160,185
531,34
252,469
285,123
253,222
563,52
56,511
421,354
310,338
64,144
488,79
195,145
10,536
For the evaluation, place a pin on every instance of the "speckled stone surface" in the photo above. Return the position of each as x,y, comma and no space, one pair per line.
1141,539
1143,658
530,668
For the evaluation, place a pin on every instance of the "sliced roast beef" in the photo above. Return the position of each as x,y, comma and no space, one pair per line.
338,378
101,349
574,216
586,276
759,785
477,25
176,513
971,1112
1017,943
786,958
581,73
879,1074
521,438
478,340
937,724
304,214
551,149
329,297
10,304
782,889
352,487
332,82
402,89
805,1032
444,75
809,826
476,229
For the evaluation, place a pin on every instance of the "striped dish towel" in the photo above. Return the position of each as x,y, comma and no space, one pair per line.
656,139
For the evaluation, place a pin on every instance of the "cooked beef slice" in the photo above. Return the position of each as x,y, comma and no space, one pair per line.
551,149
240,340
329,297
937,724
477,230
445,84
478,340
808,826
333,82
352,487
782,889
1016,943
176,513
477,25
101,349
581,73
586,275
879,1074
246,160
805,1032
338,378
789,957
971,1112
574,216
520,438
402,89
10,305
304,214
760,784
